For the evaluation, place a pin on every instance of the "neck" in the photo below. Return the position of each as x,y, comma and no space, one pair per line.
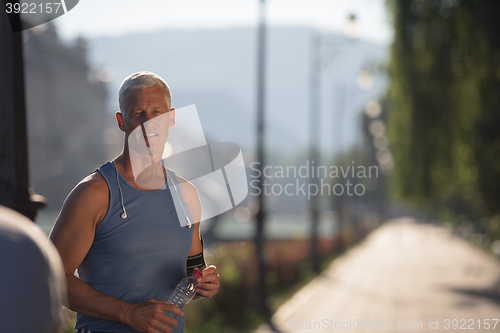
123,162
152,177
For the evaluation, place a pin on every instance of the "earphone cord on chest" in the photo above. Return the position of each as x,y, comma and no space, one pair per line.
124,214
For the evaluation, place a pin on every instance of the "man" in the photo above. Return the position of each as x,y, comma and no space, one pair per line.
124,236
32,286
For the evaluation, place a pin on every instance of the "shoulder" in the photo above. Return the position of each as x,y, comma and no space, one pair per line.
89,198
82,211
188,189
93,187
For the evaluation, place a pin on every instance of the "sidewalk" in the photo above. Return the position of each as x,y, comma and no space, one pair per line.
403,274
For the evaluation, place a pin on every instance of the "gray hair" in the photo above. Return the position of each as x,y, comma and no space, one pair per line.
142,80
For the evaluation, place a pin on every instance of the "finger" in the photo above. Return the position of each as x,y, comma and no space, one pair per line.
165,322
208,278
208,286
174,309
168,306
206,293
163,329
209,270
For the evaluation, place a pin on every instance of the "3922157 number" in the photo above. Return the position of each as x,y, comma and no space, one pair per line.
32,8
470,324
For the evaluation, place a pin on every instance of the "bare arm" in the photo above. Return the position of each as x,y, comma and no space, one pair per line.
73,235
208,284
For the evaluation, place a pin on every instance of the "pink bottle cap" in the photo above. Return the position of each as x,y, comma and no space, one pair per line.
197,273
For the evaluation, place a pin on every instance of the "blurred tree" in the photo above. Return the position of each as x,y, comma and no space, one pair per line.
445,104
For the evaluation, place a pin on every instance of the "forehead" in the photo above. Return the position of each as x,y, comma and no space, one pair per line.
153,96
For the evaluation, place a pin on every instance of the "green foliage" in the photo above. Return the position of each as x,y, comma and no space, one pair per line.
444,104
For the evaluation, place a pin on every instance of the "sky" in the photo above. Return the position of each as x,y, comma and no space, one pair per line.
97,18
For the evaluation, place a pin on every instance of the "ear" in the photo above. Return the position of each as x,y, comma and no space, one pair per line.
119,120
172,118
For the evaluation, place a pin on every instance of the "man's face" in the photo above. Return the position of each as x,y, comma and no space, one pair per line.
147,117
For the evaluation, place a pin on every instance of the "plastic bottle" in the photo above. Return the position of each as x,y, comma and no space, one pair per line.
185,290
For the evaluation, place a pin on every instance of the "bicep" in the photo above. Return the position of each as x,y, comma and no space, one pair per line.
74,230
196,247
192,199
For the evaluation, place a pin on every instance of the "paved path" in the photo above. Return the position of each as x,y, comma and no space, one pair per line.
403,273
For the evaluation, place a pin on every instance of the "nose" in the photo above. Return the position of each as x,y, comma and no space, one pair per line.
152,125
147,117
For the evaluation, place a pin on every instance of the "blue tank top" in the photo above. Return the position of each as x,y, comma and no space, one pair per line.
140,257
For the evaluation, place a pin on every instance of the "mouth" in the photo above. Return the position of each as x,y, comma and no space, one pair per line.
151,135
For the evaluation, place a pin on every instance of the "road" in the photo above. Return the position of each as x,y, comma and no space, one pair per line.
404,277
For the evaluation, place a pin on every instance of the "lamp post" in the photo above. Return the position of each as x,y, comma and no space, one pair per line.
364,82
261,213
337,128
351,32
14,181
314,132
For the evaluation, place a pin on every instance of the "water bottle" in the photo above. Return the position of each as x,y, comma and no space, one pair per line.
184,290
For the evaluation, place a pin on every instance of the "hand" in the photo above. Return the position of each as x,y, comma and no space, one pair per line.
149,316
208,284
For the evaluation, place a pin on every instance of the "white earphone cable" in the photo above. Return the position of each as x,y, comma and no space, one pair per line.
180,201
124,214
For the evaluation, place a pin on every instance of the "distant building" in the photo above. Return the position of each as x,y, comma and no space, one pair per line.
66,113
